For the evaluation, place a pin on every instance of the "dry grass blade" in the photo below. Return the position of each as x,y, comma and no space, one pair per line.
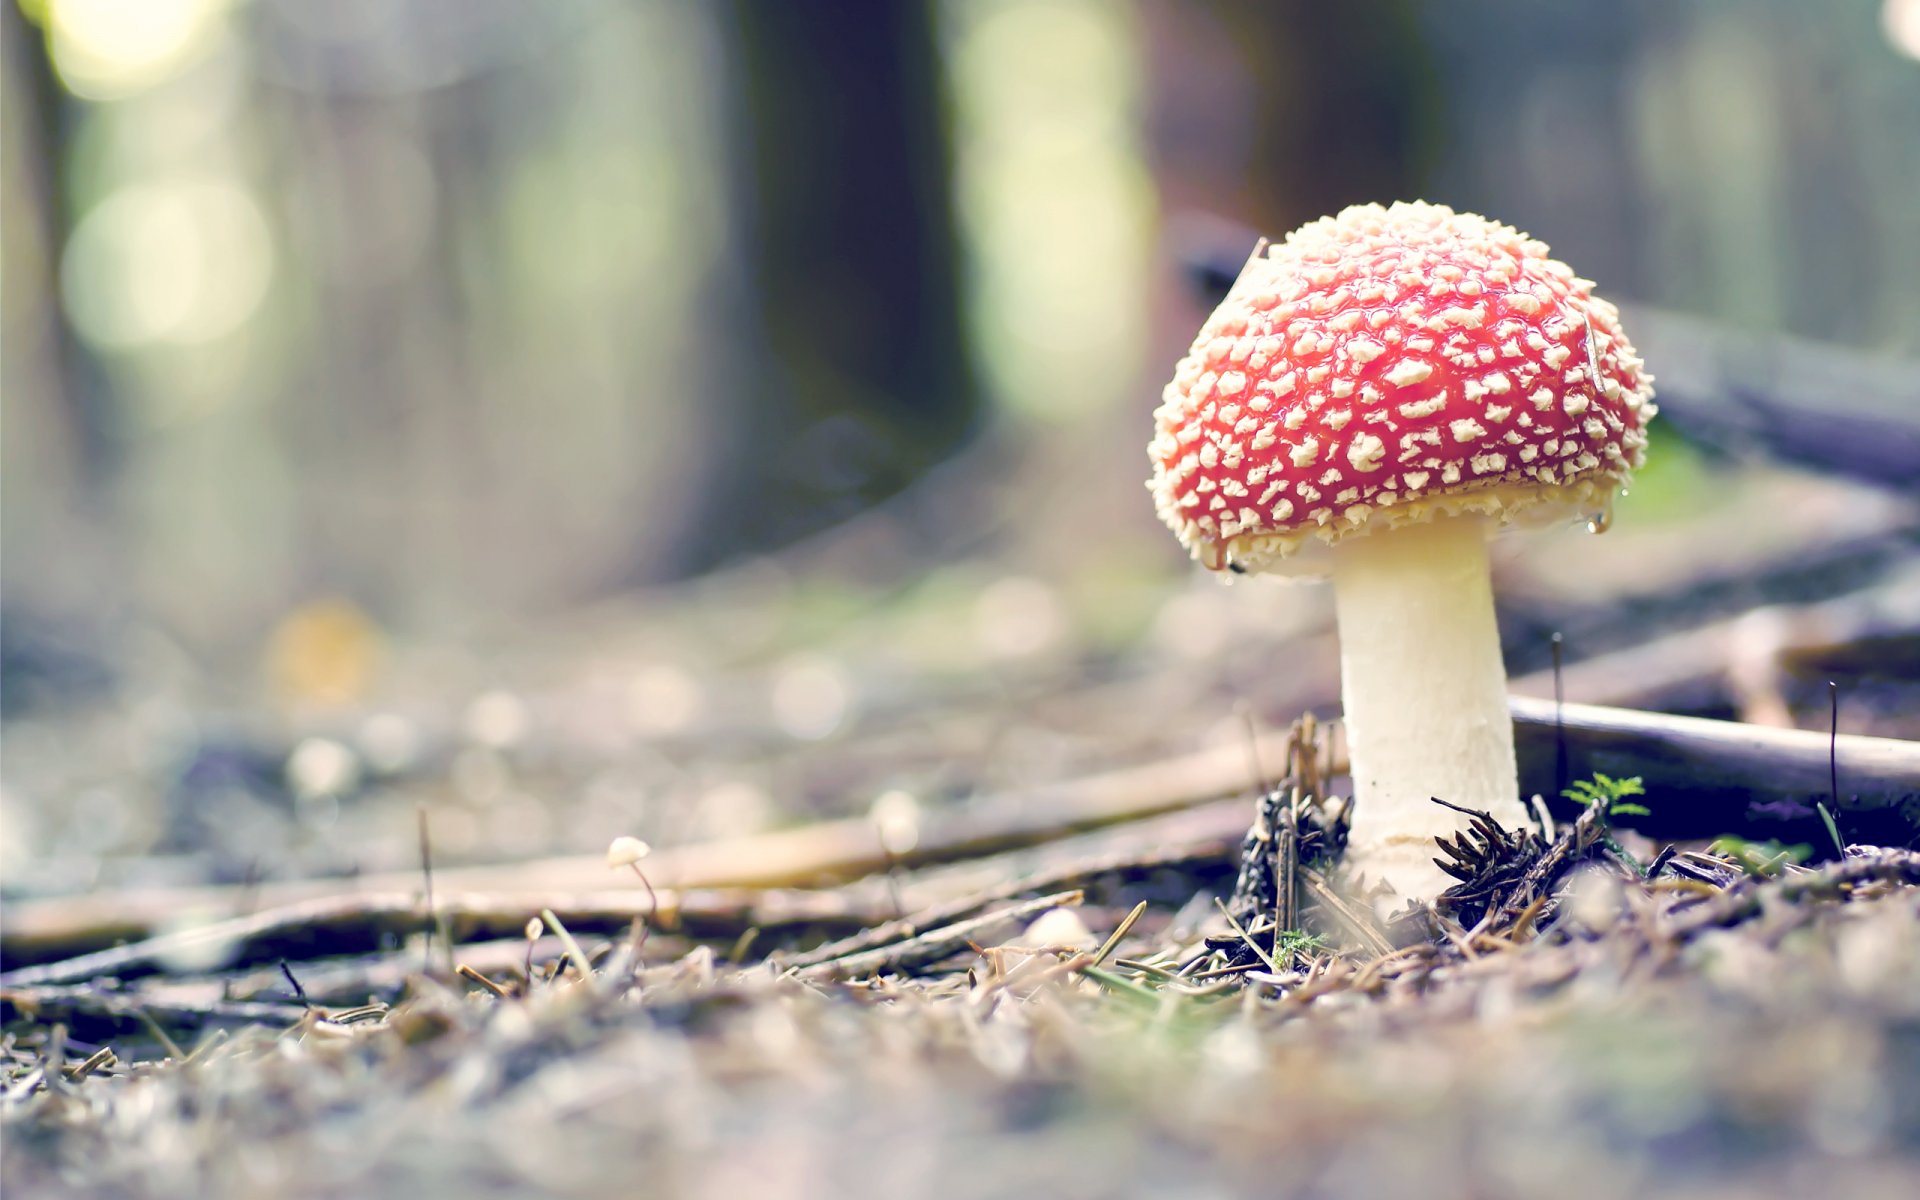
1169,844
159,1034
99,1060
1121,985
1119,931
581,962
467,972
937,944
1286,848
1745,898
1359,925
1245,937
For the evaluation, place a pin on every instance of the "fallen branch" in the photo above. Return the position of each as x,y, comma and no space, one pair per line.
356,924
89,1009
1713,777
810,855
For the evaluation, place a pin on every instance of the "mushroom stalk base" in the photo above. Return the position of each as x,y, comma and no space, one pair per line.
1425,694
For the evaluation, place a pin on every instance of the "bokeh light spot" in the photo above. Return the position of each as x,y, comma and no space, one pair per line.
1016,617
106,49
324,653
810,697
182,262
1901,21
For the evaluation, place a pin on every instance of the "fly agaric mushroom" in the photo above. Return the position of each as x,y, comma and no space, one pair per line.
1374,397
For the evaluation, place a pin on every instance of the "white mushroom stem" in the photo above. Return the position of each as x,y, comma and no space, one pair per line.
1425,694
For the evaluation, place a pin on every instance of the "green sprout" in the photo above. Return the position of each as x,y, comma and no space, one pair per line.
1613,791
1833,830
1292,945
1761,858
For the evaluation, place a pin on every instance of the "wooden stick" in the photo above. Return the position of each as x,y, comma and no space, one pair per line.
823,852
1711,777
1716,777
355,923
90,1008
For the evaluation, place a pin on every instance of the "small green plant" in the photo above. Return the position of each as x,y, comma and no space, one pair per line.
1614,792
1291,945
1833,830
1761,858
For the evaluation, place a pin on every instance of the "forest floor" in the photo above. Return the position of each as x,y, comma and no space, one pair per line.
1056,911
1726,1028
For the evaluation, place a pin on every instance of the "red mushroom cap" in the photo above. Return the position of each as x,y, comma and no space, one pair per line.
1385,365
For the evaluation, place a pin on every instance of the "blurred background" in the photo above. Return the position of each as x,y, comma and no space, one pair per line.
577,417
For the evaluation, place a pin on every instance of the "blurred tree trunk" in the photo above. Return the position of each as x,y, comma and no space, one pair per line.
38,112
856,378
1324,105
59,456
